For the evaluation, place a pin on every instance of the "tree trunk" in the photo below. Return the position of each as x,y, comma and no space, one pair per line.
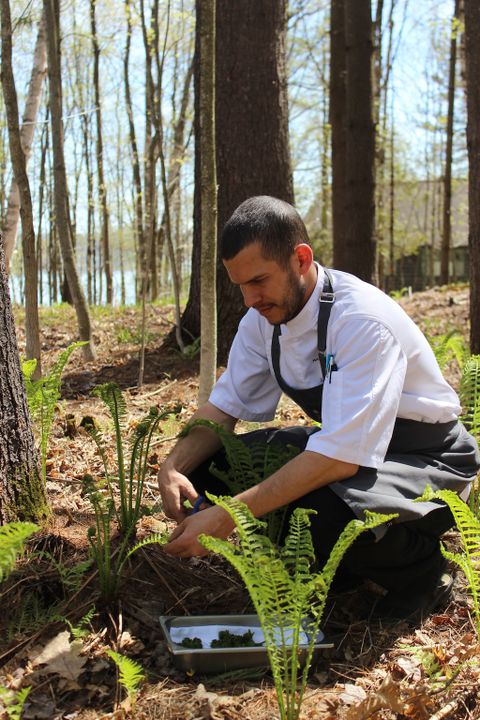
102,189
22,493
208,296
447,177
32,329
337,122
252,152
32,105
472,72
61,192
359,256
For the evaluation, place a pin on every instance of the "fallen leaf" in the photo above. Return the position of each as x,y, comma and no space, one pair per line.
62,657
352,694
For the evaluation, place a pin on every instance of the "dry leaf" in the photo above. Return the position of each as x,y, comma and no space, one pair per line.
62,657
352,694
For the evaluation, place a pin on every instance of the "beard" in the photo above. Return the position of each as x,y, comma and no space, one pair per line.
294,297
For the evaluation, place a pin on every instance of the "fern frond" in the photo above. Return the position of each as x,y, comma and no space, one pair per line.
468,526
242,474
14,701
470,395
298,553
448,347
12,540
130,673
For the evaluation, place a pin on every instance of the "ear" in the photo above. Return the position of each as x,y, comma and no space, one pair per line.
304,257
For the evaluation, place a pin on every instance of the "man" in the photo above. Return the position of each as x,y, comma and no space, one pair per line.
352,358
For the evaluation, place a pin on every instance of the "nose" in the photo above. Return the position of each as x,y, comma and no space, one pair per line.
251,296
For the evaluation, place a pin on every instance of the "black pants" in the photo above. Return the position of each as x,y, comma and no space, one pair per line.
407,556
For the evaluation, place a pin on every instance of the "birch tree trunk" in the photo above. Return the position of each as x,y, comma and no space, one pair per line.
208,174
19,164
52,17
32,105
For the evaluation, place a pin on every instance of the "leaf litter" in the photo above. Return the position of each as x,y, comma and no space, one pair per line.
374,671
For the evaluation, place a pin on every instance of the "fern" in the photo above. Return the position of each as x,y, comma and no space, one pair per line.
286,596
12,541
13,702
43,395
81,630
468,526
248,466
130,674
448,347
130,474
470,395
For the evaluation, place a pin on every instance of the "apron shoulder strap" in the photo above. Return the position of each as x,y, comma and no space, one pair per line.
327,298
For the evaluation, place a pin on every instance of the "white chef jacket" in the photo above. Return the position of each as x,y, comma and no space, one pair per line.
385,369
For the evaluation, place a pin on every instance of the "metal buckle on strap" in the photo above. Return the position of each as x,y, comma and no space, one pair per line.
327,297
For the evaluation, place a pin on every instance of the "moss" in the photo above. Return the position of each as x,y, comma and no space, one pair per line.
29,501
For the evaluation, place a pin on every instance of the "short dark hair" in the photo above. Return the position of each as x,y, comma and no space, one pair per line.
274,223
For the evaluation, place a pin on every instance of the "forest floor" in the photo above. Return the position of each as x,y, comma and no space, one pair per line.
431,670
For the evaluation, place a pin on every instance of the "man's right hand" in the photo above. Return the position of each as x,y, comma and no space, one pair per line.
175,488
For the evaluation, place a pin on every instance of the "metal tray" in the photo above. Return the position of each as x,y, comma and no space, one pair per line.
219,660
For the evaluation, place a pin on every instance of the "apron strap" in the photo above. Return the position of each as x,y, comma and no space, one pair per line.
327,298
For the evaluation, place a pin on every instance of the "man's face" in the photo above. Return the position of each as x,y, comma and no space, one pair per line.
276,292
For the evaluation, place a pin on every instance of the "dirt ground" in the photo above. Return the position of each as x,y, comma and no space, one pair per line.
374,670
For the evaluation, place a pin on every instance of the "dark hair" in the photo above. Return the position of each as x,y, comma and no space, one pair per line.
274,223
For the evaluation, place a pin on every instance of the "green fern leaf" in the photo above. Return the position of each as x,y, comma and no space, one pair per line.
12,540
468,526
130,673
470,395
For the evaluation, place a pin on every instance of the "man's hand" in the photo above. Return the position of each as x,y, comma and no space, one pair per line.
175,488
183,541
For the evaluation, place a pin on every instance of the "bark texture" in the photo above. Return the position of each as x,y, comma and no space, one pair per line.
252,152
472,72
39,72
22,494
359,255
208,303
32,330
62,219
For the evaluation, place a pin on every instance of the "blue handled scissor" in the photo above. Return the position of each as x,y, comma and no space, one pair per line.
197,504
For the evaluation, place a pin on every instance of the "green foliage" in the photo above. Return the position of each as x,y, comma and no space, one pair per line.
248,466
12,541
130,674
109,565
130,475
468,526
125,335
42,398
448,347
287,597
13,702
470,395
227,639
81,630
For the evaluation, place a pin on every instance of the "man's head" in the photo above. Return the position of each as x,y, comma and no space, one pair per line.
266,253
273,223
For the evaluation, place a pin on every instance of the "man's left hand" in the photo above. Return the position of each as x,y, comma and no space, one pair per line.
184,542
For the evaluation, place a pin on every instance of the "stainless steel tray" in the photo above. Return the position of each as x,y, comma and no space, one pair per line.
219,660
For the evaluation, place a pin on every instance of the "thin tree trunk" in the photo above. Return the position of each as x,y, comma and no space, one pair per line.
208,174
447,178
102,189
19,163
61,191
137,180
30,114
472,73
